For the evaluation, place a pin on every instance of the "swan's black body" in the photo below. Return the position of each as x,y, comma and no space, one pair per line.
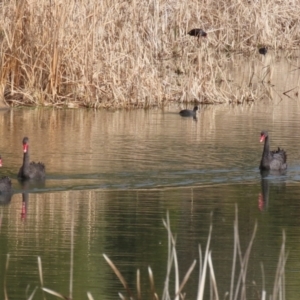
5,185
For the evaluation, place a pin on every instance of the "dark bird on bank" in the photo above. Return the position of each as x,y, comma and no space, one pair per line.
30,170
271,160
263,50
197,32
188,112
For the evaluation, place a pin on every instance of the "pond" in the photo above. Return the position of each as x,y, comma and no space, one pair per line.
112,177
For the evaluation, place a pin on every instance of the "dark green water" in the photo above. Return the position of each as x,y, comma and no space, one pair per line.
113,176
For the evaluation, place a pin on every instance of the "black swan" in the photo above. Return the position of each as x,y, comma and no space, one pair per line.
30,170
272,160
188,112
197,32
5,185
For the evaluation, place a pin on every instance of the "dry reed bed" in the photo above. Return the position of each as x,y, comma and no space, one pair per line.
134,53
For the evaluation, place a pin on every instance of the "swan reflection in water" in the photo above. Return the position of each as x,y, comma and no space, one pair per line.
276,179
27,186
25,198
263,197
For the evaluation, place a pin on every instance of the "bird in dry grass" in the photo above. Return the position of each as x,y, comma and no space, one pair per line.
263,50
197,32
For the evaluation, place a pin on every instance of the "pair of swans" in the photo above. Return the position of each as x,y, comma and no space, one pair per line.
270,161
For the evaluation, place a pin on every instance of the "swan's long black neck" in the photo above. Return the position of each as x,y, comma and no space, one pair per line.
26,158
266,147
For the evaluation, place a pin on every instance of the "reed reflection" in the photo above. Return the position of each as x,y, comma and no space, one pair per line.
263,197
25,200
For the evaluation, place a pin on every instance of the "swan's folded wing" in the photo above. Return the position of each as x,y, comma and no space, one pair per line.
36,170
279,158
279,155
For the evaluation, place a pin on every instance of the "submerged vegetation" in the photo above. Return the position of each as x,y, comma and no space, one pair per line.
238,287
207,279
135,53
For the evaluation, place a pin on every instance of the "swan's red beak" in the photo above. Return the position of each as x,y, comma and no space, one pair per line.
25,146
262,138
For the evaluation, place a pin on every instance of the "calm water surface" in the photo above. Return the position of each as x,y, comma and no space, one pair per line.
117,173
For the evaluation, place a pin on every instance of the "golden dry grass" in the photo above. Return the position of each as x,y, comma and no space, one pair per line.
134,53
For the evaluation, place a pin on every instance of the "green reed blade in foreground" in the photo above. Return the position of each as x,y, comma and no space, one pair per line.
238,289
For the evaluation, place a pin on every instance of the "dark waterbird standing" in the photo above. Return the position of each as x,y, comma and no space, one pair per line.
197,32
271,160
188,112
30,170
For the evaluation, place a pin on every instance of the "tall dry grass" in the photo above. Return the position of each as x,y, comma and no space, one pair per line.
134,53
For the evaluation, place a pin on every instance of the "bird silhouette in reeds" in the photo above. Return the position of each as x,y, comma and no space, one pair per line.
197,32
263,50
